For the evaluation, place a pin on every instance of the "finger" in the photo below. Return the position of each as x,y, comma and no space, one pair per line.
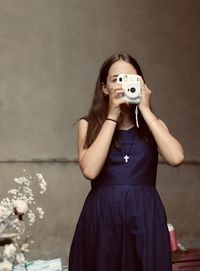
118,89
118,93
122,100
142,83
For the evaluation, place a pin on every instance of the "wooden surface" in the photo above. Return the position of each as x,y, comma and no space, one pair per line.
188,255
188,260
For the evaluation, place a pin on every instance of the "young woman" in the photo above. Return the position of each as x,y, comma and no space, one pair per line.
123,224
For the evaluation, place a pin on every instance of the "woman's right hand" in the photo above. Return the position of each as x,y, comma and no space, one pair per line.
116,98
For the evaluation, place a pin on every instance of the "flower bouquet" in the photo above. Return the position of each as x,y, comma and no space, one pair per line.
19,203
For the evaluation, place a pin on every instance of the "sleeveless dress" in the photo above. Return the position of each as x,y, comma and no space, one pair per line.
123,223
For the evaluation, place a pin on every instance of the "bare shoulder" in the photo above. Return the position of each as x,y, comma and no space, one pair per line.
82,127
81,134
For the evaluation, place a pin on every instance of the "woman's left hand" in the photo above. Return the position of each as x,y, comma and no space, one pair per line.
145,101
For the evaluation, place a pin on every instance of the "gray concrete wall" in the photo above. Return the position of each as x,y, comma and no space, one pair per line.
50,53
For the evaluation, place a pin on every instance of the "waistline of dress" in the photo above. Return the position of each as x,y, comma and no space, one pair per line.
111,181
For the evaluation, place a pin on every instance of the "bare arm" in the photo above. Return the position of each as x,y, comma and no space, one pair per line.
168,146
92,159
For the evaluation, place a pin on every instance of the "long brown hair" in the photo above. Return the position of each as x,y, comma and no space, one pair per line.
100,103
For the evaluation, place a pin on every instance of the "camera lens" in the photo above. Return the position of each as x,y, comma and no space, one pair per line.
132,90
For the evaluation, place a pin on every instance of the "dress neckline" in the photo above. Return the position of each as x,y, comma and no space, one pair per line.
126,130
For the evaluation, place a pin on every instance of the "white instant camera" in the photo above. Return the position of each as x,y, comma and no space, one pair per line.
131,86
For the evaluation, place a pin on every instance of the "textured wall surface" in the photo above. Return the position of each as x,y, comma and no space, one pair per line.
50,54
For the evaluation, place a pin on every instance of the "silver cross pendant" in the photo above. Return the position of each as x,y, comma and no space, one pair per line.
126,157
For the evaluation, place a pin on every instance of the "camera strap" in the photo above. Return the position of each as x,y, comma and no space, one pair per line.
136,116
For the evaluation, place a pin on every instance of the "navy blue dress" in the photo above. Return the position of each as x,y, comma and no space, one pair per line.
123,224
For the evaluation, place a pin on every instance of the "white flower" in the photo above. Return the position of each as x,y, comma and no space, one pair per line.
19,180
39,175
20,258
6,208
40,212
9,251
21,206
24,247
5,266
2,211
31,217
42,183
13,191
